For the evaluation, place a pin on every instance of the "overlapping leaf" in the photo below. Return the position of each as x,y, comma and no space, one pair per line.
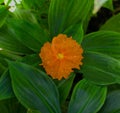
3,14
63,13
112,104
3,65
39,9
87,98
6,54
112,24
76,31
24,14
11,106
37,4
5,86
29,34
32,59
101,63
9,42
34,89
64,87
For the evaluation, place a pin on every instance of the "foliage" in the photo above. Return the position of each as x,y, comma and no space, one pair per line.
24,85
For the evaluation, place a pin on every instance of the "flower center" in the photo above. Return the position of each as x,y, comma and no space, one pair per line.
60,56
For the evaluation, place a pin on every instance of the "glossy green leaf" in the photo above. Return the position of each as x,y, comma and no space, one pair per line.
3,14
35,4
33,88
2,69
101,63
3,65
11,106
39,9
32,59
5,86
76,31
29,34
112,24
5,54
64,13
64,87
87,98
2,61
112,104
24,14
9,42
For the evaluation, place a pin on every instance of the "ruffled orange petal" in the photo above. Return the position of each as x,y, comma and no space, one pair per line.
61,56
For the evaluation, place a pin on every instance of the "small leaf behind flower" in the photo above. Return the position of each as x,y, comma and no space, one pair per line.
64,87
112,24
76,31
64,13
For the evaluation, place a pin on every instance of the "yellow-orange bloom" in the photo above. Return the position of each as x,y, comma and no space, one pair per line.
61,56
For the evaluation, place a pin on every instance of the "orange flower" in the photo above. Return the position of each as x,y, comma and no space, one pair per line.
61,56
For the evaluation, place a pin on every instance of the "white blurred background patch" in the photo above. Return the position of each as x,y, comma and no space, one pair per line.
98,4
12,4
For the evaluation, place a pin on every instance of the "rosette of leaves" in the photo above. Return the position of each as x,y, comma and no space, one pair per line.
24,85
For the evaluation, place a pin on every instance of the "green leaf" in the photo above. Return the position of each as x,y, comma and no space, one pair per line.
87,98
33,88
11,106
2,61
5,86
76,31
113,87
109,5
34,4
1,1
3,65
64,87
29,34
112,104
3,14
39,9
24,15
33,111
2,69
9,42
64,13
101,63
112,24
9,55
33,60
